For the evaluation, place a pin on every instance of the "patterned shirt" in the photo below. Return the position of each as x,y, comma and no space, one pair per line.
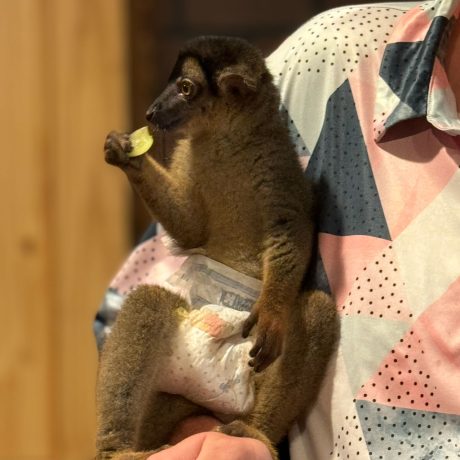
375,123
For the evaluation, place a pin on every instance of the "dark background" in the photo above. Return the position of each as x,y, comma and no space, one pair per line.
157,29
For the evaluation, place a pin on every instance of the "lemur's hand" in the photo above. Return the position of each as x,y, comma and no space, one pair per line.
269,337
116,148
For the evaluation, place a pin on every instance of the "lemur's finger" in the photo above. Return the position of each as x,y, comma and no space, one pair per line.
116,147
257,347
268,353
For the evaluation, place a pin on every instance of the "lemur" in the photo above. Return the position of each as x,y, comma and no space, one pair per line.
236,193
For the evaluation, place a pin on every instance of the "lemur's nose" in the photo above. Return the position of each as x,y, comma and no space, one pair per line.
156,107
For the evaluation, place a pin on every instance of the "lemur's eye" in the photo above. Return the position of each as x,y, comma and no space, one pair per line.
186,87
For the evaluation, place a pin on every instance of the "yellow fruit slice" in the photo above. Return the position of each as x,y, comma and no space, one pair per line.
141,140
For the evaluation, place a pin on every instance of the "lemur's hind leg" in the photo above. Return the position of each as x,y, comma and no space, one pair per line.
132,357
162,412
288,388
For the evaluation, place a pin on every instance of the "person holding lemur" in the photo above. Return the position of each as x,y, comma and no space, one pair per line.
372,93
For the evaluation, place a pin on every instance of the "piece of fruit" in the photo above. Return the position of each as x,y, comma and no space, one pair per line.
141,140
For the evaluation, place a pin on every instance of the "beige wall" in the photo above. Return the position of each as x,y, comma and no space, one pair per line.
63,229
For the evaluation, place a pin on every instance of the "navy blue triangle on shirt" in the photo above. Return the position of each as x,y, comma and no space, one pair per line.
393,432
340,168
407,68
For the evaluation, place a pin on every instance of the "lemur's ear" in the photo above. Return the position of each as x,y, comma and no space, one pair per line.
237,80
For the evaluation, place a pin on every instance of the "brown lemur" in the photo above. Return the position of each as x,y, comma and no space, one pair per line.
235,192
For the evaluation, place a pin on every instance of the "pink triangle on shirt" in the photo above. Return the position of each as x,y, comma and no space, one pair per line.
423,370
410,172
378,291
345,257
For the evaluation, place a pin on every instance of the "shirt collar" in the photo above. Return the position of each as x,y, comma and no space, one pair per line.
412,82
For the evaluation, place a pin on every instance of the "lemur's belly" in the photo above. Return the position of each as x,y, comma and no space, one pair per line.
235,239
241,255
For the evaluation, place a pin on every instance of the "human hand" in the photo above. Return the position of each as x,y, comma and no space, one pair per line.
212,445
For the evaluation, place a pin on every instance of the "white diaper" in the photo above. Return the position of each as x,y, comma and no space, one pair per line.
209,364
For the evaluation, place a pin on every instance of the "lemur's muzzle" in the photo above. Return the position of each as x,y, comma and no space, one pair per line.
168,110
152,111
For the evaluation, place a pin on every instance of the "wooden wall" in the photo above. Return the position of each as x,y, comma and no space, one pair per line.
64,215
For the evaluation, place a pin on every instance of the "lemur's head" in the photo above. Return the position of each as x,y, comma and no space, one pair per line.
211,76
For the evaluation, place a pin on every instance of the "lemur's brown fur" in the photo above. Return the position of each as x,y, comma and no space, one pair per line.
236,193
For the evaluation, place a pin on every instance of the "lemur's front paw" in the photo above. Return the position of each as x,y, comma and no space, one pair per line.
116,149
269,338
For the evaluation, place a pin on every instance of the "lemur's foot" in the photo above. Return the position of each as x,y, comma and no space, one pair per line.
240,429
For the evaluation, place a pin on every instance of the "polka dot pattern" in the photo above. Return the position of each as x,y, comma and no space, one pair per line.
378,291
349,441
136,269
394,433
340,165
402,379
339,39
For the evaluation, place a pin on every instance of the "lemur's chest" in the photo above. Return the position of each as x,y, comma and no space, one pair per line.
223,178
228,191
234,218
